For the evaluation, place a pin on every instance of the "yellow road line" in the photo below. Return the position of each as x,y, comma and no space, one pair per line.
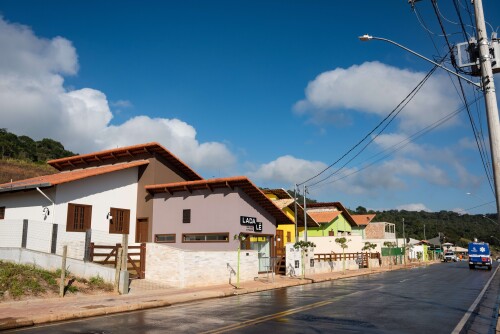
267,318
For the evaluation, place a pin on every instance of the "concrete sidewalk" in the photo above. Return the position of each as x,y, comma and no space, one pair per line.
39,311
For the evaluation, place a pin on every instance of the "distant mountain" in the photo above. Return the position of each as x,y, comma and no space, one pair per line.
25,148
458,229
21,157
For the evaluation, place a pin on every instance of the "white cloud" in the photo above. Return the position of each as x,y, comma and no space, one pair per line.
287,169
413,207
122,104
34,102
376,88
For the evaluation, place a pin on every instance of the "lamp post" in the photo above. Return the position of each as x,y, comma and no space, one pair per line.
492,236
487,86
484,216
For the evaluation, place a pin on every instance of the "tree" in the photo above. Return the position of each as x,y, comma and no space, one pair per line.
343,244
369,247
304,246
391,245
361,210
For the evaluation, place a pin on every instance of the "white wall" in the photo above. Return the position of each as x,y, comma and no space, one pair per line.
117,189
27,205
53,262
11,232
185,268
328,244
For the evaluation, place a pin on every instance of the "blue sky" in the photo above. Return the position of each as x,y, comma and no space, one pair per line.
274,90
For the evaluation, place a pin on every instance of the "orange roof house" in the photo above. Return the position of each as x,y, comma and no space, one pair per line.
333,217
102,191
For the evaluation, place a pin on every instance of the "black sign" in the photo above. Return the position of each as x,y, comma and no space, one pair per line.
257,227
248,220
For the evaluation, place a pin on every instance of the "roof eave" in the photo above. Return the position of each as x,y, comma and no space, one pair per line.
28,187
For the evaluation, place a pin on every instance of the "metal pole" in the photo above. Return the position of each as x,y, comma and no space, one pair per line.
404,242
62,283
305,214
295,209
489,97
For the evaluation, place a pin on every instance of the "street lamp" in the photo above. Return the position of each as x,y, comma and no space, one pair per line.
487,86
484,216
367,37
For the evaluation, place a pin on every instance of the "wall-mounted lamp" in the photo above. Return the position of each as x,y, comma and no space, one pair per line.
278,239
45,212
109,216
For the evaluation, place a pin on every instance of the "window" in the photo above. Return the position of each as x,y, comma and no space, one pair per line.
2,212
186,216
288,236
205,237
79,217
119,222
164,237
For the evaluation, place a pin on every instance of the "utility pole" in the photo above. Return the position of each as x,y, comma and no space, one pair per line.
489,97
295,198
305,214
404,242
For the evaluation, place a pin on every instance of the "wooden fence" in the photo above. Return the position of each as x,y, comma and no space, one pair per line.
107,255
360,258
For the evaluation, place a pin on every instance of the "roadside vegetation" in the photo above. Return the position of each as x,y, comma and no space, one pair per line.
20,282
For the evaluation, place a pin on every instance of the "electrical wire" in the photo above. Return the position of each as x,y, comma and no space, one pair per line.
400,106
479,139
399,146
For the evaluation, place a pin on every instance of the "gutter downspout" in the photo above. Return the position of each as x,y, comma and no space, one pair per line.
51,201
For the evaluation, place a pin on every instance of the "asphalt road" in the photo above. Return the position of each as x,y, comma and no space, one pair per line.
431,299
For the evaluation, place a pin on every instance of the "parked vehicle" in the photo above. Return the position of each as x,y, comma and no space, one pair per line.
450,256
479,255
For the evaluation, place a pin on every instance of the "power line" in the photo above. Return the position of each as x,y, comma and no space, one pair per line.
407,99
372,131
399,146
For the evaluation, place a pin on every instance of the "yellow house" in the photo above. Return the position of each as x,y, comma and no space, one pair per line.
286,232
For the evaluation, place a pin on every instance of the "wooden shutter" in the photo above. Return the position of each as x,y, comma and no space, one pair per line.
87,220
120,223
126,221
70,220
76,213
112,221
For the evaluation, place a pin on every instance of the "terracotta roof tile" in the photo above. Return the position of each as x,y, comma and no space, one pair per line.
131,152
338,206
323,217
64,177
363,219
282,194
283,203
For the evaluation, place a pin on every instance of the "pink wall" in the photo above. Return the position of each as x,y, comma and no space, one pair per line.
211,212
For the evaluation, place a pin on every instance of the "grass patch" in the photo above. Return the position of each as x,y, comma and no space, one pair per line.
18,280
97,282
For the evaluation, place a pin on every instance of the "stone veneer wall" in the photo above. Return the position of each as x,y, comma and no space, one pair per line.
185,268
375,231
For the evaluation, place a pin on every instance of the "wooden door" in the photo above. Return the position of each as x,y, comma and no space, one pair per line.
141,231
280,243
